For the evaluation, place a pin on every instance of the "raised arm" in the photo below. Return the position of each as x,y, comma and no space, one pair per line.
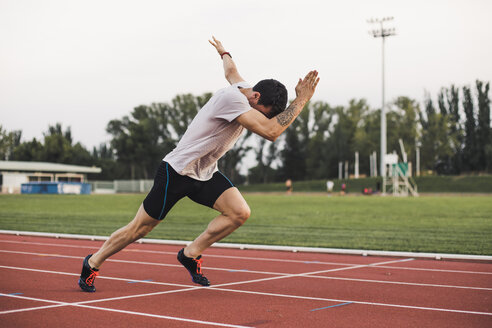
230,69
272,128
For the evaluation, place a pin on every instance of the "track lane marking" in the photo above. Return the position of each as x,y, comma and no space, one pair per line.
83,305
278,273
99,277
331,306
436,270
398,282
140,262
312,273
186,289
253,258
356,302
219,285
210,323
59,304
174,253
235,291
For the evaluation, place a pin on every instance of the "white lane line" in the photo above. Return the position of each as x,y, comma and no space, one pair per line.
100,277
275,273
192,288
174,253
353,301
312,273
435,270
56,304
82,305
210,323
220,285
277,276
116,298
141,263
253,258
234,291
398,282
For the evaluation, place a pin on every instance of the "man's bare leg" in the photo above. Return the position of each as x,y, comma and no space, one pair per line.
140,226
234,212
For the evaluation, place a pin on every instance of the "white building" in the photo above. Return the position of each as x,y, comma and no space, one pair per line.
13,173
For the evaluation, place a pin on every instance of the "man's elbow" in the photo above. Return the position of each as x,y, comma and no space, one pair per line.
266,135
271,136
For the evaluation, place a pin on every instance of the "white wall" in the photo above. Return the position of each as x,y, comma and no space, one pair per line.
12,182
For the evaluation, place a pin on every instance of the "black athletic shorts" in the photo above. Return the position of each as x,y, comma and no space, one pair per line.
169,187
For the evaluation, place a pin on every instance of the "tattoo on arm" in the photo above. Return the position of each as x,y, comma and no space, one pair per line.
288,115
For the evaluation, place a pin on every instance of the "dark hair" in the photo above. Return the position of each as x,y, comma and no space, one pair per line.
272,93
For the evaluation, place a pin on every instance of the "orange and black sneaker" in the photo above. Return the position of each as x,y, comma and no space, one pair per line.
194,267
87,277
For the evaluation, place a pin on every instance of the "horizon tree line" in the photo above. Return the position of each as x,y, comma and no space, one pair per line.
453,133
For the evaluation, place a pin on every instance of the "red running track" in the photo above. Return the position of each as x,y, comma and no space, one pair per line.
144,286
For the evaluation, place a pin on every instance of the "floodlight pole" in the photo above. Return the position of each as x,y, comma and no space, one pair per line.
382,33
383,116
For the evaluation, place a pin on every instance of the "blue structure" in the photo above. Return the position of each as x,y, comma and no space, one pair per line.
76,188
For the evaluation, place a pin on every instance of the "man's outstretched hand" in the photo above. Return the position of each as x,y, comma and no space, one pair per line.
305,87
218,45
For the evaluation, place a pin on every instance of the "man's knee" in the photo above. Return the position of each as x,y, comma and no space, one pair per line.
240,214
233,206
141,226
132,232
142,231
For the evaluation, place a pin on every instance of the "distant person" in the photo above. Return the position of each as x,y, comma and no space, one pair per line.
288,186
329,186
344,188
191,168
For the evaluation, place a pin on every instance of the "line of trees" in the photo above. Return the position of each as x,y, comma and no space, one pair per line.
453,133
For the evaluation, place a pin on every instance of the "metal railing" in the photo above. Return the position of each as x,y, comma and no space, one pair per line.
121,186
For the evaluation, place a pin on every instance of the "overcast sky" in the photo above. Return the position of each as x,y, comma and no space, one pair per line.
83,63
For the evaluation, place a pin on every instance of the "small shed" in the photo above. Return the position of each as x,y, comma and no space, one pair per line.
14,173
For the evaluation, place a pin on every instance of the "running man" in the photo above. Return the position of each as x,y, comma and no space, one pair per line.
191,168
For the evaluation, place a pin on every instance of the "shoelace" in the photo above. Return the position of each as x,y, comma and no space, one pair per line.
90,280
198,265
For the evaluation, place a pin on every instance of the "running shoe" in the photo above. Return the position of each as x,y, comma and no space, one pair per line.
87,277
194,267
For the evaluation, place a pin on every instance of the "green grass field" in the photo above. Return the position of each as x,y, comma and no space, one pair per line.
447,224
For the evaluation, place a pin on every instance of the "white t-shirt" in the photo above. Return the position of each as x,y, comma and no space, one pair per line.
211,134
